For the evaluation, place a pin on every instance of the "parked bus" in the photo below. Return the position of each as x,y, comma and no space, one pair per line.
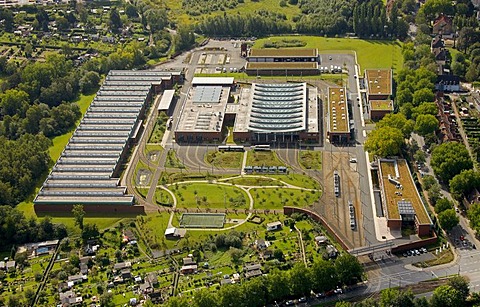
230,148
261,147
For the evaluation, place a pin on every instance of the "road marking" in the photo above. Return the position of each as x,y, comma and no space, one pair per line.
433,273
364,133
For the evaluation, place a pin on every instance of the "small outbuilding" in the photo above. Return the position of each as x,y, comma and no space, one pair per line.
274,226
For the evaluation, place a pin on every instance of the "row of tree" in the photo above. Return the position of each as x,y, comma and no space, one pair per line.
454,293
259,23
17,229
321,276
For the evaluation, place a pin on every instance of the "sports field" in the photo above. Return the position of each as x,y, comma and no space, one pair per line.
202,220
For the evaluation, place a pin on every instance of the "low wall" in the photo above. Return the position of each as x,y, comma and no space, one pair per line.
315,216
415,244
91,210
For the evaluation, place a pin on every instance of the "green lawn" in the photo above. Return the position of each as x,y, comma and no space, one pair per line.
204,195
277,198
254,181
225,159
61,141
173,161
298,180
263,158
311,159
371,53
163,197
152,230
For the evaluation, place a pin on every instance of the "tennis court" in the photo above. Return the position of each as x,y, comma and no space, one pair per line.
202,220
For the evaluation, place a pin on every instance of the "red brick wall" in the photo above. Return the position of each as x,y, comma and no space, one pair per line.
394,224
416,244
92,210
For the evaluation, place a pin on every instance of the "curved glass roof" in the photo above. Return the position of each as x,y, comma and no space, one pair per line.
278,108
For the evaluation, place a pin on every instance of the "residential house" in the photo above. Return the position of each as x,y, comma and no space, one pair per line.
188,261
152,278
443,25
70,298
447,83
122,265
331,251
252,270
274,226
261,244
189,269
226,281
155,297
437,42
320,240
83,269
126,274
266,254
145,288
77,279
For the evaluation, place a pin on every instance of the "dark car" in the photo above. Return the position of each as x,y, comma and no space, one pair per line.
289,303
320,295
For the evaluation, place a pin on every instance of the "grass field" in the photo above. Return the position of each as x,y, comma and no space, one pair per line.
162,197
243,77
173,161
255,181
371,53
298,180
153,152
225,159
263,158
61,141
276,198
204,195
311,159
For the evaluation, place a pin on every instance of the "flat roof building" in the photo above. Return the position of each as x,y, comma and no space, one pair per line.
277,113
203,113
166,101
338,123
380,108
378,83
88,170
283,61
401,201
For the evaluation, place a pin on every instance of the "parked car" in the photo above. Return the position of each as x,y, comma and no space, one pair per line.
303,299
289,303
320,295
338,291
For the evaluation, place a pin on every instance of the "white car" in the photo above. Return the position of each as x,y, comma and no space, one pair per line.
353,160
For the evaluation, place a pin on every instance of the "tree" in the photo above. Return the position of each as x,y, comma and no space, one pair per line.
448,219
323,275
90,231
78,214
349,270
300,283
278,254
425,108
428,181
446,296
106,300
255,292
277,285
423,95
385,141
464,183
156,19
343,304
205,298
230,295
473,215
398,121
89,82
115,20
236,254
460,284
420,156
184,39
14,102
449,160
433,8
443,204
426,124
394,298
131,11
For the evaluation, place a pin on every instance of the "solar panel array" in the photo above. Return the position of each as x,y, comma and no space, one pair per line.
85,172
278,107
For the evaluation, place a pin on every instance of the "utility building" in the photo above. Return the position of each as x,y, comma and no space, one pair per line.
283,61
90,166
